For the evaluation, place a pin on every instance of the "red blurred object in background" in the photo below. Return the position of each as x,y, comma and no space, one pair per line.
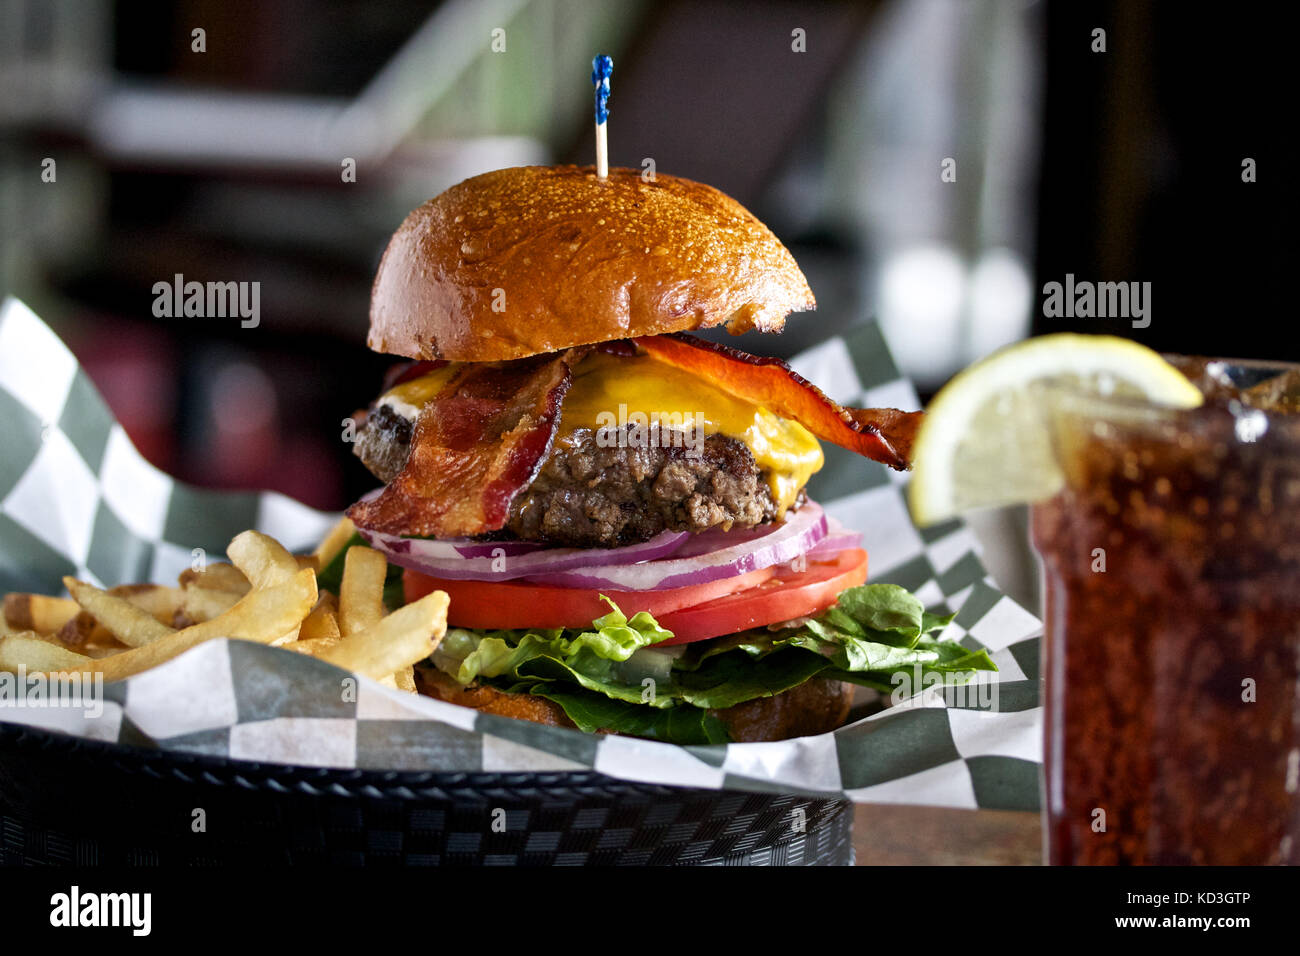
224,422
134,368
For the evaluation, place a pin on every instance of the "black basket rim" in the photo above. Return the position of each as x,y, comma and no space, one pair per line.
353,782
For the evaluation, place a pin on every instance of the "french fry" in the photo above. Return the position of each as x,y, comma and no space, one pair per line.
262,559
162,602
361,593
288,638
266,563
314,647
79,630
408,635
37,612
262,615
37,655
321,629
47,638
58,621
203,604
322,622
129,624
333,543
265,594
216,577
99,651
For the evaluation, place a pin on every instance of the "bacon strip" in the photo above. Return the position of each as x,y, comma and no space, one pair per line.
475,446
882,434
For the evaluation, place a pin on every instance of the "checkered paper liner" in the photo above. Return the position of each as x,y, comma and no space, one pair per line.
76,498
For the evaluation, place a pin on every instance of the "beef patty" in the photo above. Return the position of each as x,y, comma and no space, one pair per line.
383,442
588,495
596,494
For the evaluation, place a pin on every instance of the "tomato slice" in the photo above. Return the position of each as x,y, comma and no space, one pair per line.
695,613
485,605
786,595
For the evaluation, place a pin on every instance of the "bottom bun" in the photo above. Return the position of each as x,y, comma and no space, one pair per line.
816,706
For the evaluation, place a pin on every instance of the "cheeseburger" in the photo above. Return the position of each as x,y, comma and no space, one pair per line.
616,508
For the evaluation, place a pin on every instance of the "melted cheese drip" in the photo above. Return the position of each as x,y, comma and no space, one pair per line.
609,390
418,392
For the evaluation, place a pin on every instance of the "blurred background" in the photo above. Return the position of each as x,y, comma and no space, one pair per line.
931,164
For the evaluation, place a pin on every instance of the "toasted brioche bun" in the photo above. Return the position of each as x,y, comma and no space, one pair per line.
537,258
816,706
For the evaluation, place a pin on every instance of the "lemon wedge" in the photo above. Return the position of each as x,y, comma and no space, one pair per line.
985,440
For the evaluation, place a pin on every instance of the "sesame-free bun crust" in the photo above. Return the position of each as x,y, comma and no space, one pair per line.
537,258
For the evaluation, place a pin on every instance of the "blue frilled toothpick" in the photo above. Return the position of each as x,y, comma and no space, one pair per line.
601,68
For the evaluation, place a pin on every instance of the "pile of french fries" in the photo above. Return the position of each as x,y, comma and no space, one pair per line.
264,594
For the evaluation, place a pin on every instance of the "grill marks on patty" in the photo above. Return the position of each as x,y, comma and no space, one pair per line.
591,496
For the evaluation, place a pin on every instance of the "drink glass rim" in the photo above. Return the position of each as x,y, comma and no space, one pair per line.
1132,409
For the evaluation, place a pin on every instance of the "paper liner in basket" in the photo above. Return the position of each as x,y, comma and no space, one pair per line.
76,498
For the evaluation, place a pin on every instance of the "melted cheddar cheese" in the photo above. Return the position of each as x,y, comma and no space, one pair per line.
611,390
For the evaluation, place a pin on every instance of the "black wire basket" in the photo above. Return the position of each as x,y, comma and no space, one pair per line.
74,802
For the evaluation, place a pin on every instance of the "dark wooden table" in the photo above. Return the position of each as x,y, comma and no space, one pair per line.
933,836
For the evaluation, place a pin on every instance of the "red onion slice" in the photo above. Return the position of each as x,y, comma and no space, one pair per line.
838,538
772,545
444,549
466,560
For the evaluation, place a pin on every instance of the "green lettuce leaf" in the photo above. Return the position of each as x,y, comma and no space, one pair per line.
878,614
725,680
612,677
591,712
495,653
957,663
